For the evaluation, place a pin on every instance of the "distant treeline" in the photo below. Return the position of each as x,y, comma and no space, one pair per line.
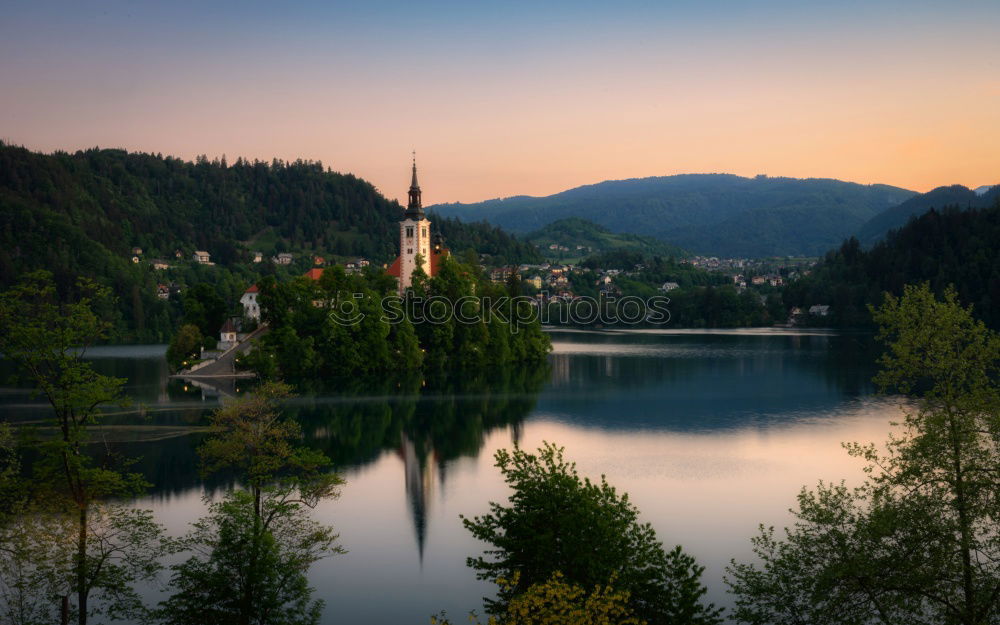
82,214
942,247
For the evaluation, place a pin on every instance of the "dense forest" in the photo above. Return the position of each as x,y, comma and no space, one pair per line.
897,216
942,247
82,214
348,325
715,214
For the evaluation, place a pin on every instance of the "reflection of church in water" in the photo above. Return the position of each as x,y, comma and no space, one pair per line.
423,473
420,475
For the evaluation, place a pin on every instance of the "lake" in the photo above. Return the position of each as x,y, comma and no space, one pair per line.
710,432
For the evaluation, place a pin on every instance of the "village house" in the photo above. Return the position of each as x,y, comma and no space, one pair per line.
819,310
319,261
283,258
251,307
258,257
501,275
162,291
227,334
160,265
203,257
666,287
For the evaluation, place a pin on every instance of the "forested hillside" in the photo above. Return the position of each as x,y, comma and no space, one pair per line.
716,214
576,238
897,216
954,246
82,214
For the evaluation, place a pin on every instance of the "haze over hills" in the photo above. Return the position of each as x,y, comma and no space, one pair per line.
719,214
897,216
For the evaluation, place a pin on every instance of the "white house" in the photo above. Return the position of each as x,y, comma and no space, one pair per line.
819,310
227,334
251,307
283,259
669,286
203,257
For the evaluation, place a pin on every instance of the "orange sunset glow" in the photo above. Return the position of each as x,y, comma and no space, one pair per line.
524,100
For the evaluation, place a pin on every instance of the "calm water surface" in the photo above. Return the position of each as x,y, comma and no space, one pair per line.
710,433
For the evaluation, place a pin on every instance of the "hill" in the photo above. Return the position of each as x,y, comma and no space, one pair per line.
575,238
717,214
897,216
82,214
953,246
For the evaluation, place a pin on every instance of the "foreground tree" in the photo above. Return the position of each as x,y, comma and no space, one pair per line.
184,346
251,554
47,338
560,522
918,541
558,602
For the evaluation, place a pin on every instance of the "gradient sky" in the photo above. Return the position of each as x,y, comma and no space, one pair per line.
506,98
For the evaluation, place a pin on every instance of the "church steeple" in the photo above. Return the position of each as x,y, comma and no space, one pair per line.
413,207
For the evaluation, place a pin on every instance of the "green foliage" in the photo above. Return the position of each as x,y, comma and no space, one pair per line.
204,309
251,554
184,346
242,573
47,338
558,521
574,232
11,485
123,546
717,214
897,216
951,247
497,246
917,541
558,602
81,214
355,324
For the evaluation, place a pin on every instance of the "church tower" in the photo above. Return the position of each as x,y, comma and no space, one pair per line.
414,236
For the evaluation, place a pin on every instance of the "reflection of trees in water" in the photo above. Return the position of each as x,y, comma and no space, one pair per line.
425,421
354,420
444,416
844,362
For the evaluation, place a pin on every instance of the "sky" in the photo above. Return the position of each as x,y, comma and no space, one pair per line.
518,98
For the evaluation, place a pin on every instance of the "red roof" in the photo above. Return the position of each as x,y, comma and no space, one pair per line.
393,269
253,289
314,273
436,260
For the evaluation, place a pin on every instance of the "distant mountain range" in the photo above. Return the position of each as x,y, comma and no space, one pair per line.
896,217
573,238
719,214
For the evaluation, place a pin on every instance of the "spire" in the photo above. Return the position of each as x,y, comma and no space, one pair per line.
413,207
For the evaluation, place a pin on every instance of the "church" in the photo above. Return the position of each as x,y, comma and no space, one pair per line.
416,241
